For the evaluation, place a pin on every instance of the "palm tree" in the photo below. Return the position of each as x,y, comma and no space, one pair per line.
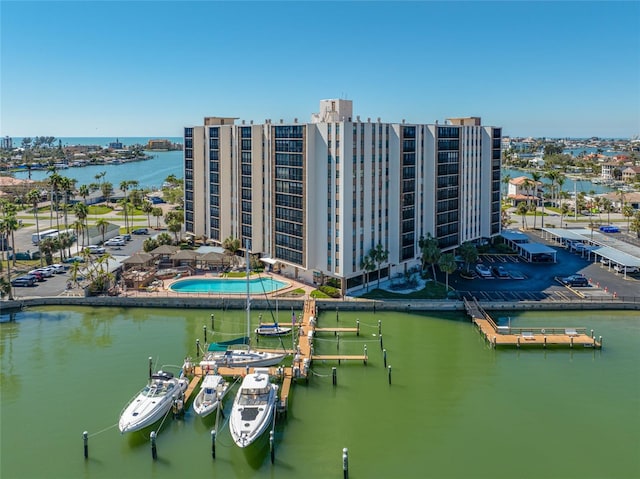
102,224
469,253
560,181
81,211
5,288
447,263
33,197
157,212
9,226
368,265
47,247
627,212
231,245
553,176
107,191
78,227
99,177
84,192
147,207
564,209
522,209
124,186
635,223
66,184
379,255
54,182
537,186
430,252
505,181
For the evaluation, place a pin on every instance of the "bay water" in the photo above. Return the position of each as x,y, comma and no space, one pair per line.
455,408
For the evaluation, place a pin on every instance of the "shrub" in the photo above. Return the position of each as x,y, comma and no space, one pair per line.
330,291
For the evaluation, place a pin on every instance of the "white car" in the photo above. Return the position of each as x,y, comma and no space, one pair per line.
618,268
93,249
58,268
46,271
483,271
115,242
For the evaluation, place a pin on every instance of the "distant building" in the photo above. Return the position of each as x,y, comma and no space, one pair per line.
522,189
115,145
631,174
159,145
313,199
6,143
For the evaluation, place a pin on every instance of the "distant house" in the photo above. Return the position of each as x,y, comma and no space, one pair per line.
523,188
159,145
631,174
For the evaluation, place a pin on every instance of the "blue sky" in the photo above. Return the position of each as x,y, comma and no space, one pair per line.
149,68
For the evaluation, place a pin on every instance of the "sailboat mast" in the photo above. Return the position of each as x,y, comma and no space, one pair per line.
248,297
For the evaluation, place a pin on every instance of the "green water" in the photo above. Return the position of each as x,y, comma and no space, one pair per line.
455,408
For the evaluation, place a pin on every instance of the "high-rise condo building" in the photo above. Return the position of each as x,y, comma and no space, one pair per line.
313,199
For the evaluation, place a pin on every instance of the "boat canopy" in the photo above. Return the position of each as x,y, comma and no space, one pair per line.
224,345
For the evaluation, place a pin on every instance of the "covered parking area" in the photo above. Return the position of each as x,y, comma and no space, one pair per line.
617,260
531,252
564,236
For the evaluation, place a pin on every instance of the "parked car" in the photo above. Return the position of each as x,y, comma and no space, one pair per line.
542,258
46,271
483,271
38,274
26,280
575,280
141,231
21,256
74,259
115,242
126,236
500,272
58,268
93,249
619,268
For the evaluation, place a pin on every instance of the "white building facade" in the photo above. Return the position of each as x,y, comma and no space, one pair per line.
314,199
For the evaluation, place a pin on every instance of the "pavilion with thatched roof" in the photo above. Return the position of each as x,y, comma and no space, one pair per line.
185,257
214,261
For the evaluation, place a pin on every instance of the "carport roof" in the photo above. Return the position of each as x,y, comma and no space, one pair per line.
617,256
513,235
536,248
579,234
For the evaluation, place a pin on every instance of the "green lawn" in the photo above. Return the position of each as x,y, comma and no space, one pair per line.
432,290
99,209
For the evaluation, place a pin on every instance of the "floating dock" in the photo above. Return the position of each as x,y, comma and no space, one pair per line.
508,336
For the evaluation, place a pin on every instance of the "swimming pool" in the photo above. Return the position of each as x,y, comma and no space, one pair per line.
227,286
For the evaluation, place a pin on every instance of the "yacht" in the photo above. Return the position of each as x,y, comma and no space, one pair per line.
153,402
253,408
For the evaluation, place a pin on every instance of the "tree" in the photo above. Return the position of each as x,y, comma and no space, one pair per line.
379,255
164,238
174,219
447,263
564,209
8,226
627,212
102,224
231,245
430,252
84,192
535,176
522,209
505,181
157,212
469,253
124,186
81,210
47,247
107,191
5,288
175,227
147,208
368,265
33,197
635,223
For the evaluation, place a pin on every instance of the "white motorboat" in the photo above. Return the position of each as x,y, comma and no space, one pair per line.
153,402
253,408
212,390
272,330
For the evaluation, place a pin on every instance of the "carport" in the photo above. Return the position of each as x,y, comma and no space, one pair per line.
616,257
513,238
534,252
563,235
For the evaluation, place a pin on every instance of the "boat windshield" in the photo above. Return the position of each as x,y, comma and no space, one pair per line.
157,389
253,396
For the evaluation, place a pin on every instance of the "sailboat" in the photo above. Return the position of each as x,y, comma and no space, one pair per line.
253,408
237,352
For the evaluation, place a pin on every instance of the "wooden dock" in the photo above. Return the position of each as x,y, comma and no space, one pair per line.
508,336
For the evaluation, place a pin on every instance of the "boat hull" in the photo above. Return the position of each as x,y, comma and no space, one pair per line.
240,359
250,418
214,388
143,410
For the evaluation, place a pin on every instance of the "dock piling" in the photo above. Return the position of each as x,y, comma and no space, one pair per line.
379,327
365,355
150,367
357,327
272,448
334,375
381,347
204,328
389,368
384,357
345,463
85,440
213,443
154,451
212,319
197,348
